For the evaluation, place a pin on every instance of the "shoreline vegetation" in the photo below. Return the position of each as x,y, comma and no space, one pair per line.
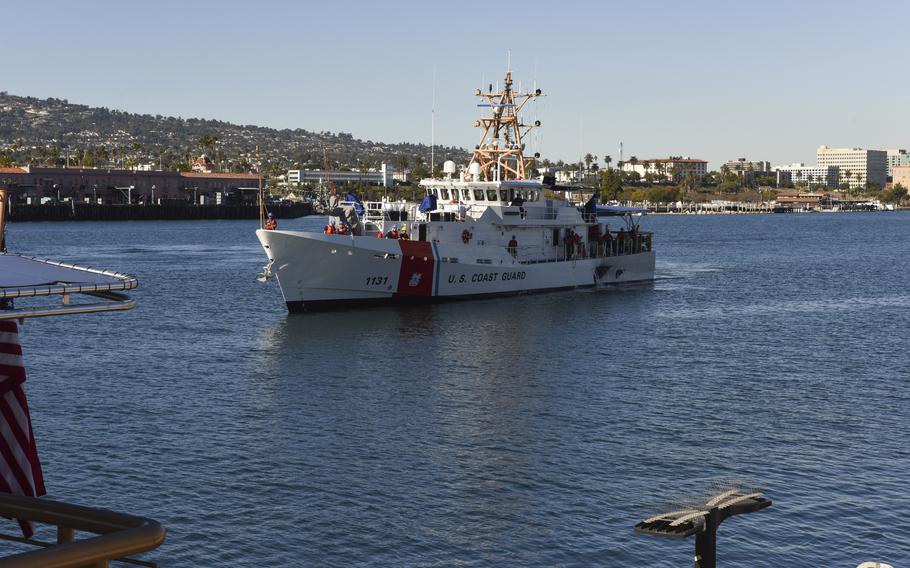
55,133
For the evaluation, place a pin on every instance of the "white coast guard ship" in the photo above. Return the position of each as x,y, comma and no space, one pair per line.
488,231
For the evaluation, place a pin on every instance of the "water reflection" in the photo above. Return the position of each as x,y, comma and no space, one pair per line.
462,393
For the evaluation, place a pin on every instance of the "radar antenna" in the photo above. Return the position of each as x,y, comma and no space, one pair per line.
499,154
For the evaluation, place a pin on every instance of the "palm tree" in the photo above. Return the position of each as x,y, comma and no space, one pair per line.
661,168
402,162
207,144
588,159
608,160
809,184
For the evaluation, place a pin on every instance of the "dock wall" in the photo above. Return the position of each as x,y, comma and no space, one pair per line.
89,212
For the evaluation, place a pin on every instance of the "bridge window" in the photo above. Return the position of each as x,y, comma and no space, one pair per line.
444,194
478,195
492,195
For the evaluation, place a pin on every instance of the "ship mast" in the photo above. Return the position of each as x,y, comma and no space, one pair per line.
499,154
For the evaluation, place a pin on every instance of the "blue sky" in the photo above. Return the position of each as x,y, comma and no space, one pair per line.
716,80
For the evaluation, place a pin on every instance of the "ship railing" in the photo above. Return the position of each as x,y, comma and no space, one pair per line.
462,211
116,536
533,254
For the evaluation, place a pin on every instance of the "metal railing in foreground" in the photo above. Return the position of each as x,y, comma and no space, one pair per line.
118,535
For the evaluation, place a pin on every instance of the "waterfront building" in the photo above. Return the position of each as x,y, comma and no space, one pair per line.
799,200
857,165
801,174
744,165
897,157
673,168
384,176
203,165
901,175
109,186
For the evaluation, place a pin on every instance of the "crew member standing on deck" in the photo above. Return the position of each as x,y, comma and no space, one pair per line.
271,224
594,239
513,247
330,228
393,234
404,233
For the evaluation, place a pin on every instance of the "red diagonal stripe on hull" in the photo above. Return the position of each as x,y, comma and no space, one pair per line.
417,269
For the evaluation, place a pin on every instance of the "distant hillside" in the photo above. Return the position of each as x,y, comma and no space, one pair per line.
46,131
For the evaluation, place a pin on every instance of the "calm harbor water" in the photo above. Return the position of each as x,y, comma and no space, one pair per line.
529,431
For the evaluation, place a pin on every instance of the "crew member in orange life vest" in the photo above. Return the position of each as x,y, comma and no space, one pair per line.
271,224
330,228
513,247
393,234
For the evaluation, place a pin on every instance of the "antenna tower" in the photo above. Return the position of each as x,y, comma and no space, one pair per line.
499,153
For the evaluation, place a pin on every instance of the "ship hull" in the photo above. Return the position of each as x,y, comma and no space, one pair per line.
323,272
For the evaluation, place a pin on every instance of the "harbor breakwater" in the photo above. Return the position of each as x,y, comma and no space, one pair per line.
166,212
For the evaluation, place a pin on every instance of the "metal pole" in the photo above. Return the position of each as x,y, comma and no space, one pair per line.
3,208
706,541
261,196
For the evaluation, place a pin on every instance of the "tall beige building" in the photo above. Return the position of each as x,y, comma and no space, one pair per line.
857,166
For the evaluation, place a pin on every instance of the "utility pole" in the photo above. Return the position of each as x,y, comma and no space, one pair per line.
261,196
3,210
433,128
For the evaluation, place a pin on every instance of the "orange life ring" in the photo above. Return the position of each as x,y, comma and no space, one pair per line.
466,236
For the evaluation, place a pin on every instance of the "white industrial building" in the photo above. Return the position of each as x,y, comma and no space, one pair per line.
857,165
384,176
667,168
744,165
801,174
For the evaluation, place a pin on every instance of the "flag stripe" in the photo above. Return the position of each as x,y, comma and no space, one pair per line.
20,469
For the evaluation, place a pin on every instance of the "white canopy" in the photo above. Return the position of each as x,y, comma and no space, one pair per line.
23,277
19,271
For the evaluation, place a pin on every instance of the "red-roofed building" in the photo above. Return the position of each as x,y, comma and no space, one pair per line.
32,185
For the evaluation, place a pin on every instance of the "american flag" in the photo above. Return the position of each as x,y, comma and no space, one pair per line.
20,470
